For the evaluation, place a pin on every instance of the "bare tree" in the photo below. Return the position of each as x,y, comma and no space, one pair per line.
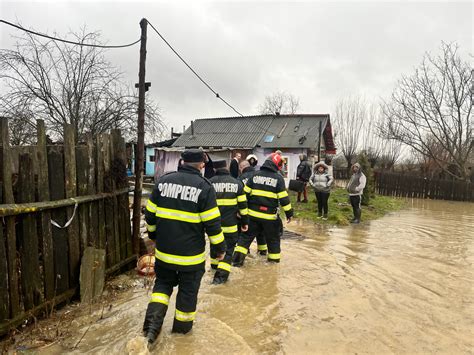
372,143
349,121
432,109
73,84
280,102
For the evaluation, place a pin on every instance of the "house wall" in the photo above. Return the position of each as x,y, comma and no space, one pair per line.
165,162
149,164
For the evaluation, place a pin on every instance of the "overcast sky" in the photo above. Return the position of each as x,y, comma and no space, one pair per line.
317,51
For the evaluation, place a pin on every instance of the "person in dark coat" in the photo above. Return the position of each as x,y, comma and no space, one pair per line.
234,165
208,167
303,173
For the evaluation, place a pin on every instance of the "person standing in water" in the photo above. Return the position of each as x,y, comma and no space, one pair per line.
321,181
355,187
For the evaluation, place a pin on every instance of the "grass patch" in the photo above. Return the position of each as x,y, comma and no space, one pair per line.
340,210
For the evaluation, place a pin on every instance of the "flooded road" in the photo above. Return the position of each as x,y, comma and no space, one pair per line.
401,284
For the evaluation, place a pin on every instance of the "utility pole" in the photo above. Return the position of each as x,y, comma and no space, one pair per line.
142,88
319,140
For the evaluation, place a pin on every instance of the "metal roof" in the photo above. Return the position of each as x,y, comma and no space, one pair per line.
280,131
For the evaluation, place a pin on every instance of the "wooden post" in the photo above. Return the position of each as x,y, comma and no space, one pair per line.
4,297
108,203
30,278
83,171
60,241
10,221
45,217
92,190
137,196
71,191
100,189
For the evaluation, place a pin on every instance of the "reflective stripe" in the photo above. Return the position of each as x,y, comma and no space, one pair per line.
179,259
185,316
210,214
216,239
160,298
177,215
282,194
239,249
262,247
214,261
150,228
286,207
247,189
264,193
261,215
275,256
231,229
150,206
226,201
242,198
244,212
224,266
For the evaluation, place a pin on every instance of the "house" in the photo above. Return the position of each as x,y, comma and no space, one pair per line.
309,134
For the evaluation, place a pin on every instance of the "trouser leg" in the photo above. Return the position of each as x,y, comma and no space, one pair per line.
325,198
319,198
186,300
298,198
270,230
214,261
355,203
305,193
262,244
241,250
223,268
155,314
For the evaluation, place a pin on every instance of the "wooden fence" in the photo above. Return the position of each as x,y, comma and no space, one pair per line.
403,185
56,201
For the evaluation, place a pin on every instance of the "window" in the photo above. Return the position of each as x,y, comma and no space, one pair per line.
151,158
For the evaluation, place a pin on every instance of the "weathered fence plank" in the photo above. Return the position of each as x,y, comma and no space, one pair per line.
45,217
71,191
60,241
10,221
4,297
30,277
100,189
83,171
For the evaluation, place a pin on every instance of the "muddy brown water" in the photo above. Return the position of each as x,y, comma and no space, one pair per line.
400,284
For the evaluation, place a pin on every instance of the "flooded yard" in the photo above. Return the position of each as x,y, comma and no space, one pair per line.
400,284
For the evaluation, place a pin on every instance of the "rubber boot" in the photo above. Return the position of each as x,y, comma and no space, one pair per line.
154,317
357,215
220,277
238,259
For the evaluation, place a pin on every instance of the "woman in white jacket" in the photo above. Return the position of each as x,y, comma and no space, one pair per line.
321,181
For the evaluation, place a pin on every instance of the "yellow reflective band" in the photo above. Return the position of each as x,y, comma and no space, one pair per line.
282,194
231,229
224,266
239,249
160,298
286,207
216,239
244,211
261,215
264,193
185,316
247,189
226,201
150,228
180,259
210,214
262,247
150,206
214,261
274,256
178,215
242,198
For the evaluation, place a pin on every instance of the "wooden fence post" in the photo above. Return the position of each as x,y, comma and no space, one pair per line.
10,221
45,217
30,277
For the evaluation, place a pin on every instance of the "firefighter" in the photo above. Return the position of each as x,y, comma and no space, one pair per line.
181,208
248,170
232,202
266,192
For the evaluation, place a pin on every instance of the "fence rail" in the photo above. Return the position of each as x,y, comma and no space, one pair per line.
56,201
403,185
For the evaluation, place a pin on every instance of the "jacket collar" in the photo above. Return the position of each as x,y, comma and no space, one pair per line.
269,165
248,169
222,171
189,170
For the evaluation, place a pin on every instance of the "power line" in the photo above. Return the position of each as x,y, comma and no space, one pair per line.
194,72
66,41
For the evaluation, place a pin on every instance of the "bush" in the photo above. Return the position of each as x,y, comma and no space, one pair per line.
369,191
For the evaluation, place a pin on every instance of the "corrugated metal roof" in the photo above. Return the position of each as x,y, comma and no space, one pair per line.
296,131
252,131
244,132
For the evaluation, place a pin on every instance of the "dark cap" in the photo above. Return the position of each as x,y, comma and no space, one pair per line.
193,156
219,164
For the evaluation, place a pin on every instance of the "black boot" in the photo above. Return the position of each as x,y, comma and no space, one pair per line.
357,215
238,259
154,317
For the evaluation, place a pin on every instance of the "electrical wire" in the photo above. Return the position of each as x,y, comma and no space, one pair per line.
193,71
65,40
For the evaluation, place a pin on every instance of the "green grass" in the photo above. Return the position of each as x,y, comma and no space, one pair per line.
340,210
